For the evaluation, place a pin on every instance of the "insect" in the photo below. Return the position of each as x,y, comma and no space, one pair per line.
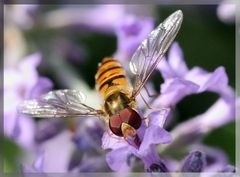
119,107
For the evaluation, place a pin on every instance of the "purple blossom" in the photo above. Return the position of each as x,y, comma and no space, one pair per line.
216,159
150,133
180,81
21,83
130,32
194,162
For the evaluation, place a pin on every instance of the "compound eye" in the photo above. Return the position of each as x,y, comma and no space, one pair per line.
127,115
131,117
115,123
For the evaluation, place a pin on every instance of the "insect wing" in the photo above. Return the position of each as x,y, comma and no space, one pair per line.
152,50
60,103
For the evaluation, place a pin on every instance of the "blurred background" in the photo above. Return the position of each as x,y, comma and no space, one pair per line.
73,39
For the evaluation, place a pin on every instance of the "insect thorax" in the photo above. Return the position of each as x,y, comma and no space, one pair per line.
117,102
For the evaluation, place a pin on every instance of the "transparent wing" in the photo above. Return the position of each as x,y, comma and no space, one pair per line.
152,50
59,103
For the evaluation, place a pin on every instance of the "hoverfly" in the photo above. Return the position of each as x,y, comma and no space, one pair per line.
119,107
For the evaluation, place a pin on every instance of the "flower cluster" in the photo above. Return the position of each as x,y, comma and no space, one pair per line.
179,82
22,82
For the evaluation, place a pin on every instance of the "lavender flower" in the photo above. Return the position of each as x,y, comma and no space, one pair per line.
150,134
194,162
177,75
130,32
179,82
21,83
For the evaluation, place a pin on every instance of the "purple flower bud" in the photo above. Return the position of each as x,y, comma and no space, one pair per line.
160,168
194,162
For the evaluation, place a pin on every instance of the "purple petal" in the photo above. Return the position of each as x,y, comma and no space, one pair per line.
216,81
47,129
154,135
166,70
194,162
175,65
176,60
10,115
25,131
28,70
117,159
58,151
219,114
205,79
173,90
130,33
112,141
42,86
158,117
149,156
30,62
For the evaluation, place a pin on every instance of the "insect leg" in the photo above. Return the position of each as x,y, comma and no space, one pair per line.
148,106
149,94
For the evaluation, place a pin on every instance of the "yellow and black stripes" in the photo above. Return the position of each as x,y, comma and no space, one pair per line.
110,75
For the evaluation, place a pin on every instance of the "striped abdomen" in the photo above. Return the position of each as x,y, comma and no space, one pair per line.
110,77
